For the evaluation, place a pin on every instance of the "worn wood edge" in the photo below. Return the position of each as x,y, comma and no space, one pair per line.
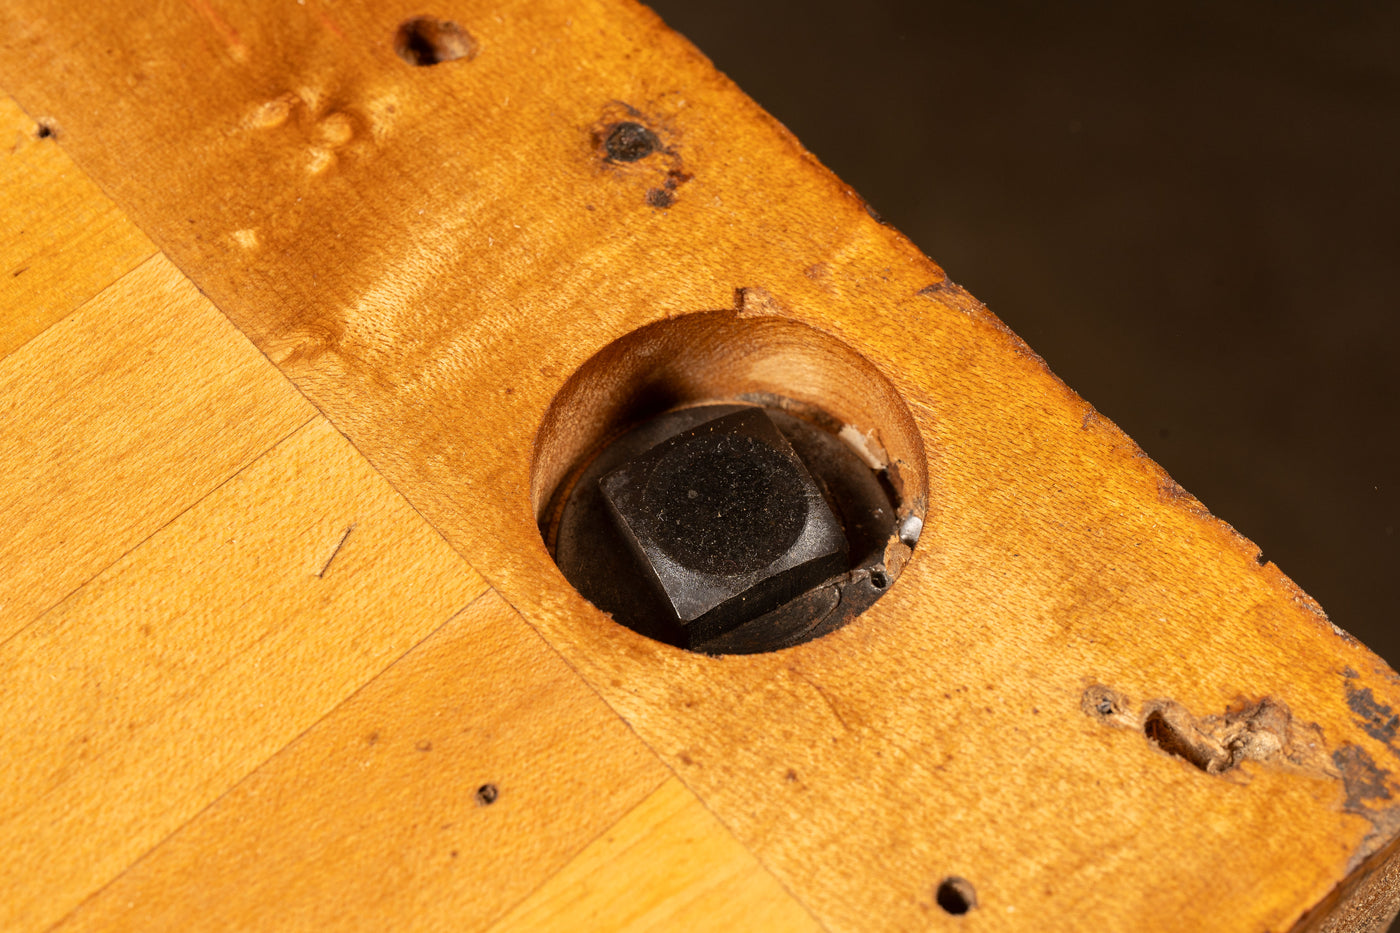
1367,901
1169,493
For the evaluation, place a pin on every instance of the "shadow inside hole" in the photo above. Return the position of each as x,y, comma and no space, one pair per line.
424,40
956,896
1160,731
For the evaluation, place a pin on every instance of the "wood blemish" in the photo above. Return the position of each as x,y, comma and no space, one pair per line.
1262,730
424,40
1375,718
335,550
1362,779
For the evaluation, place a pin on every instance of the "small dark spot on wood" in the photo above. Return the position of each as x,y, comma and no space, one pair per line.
956,896
1377,719
453,853
660,197
1102,702
791,776
373,738
424,746
45,131
1349,673
1362,779
424,40
486,795
685,759
629,142
18,272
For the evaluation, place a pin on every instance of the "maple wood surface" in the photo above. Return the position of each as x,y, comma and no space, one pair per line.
224,601
430,253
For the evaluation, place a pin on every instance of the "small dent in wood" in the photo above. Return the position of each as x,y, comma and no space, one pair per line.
1262,730
425,40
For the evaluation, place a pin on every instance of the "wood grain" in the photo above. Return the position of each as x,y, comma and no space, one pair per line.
667,865
61,240
430,253
117,419
147,694
371,820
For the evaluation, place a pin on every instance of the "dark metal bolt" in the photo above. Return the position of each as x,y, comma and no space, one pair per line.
630,142
727,521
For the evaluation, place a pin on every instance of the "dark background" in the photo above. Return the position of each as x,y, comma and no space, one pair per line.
1191,211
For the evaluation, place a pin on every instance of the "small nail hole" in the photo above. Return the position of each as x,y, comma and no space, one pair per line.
879,580
44,131
424,40
630,142
486,795
956,896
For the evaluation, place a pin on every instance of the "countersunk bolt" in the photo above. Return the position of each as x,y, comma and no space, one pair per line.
727,521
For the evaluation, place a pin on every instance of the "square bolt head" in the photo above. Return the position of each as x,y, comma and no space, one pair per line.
728,522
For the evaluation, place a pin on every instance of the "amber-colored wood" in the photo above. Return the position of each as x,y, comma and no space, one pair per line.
667,865
158,685
371,821
61,241
431,253
116,420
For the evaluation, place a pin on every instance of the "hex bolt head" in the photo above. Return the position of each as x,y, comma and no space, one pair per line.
727,521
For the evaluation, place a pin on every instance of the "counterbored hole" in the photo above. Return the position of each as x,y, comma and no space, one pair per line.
956,896
424,40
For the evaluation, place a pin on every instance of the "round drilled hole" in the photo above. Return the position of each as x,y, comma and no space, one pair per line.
486,795
956,896
424,40
797,519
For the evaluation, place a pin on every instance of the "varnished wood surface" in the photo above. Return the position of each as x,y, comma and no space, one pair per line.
428,254
230,643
